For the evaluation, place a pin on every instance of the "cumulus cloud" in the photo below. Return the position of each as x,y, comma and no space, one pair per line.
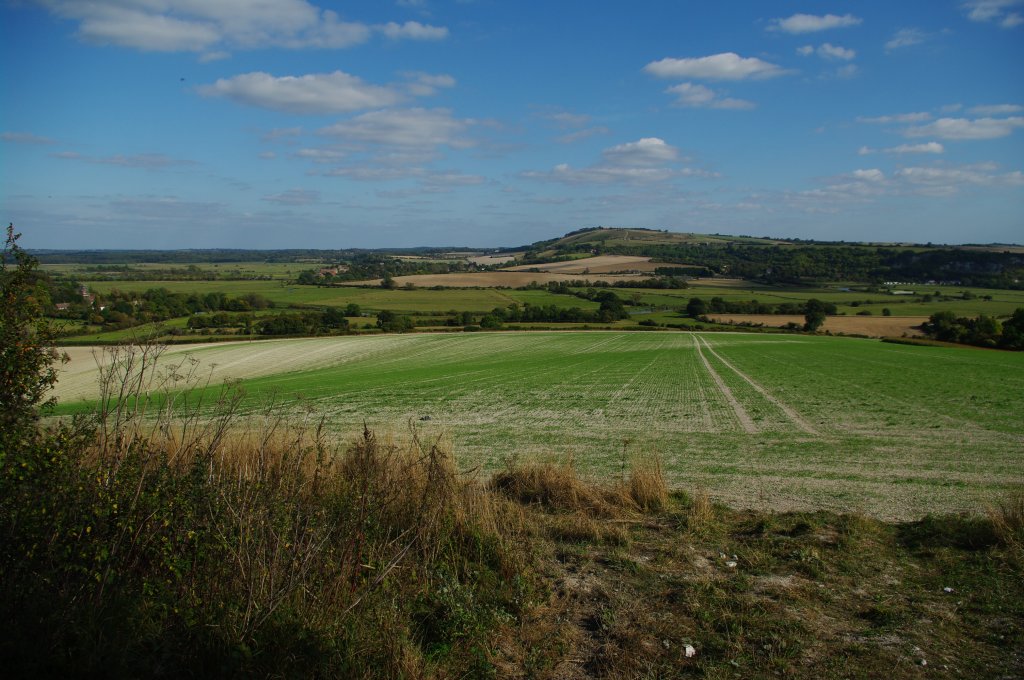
827,51
871,175
946,181
646,151
724,66
916,117
317,93
692,95
905,37
996,109
994,11
24,138
203,25
413,30
411,128
967,129
647,160
927,147
578,135
830,51
426,84
810,23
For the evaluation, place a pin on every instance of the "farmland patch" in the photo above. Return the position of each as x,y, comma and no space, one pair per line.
835,423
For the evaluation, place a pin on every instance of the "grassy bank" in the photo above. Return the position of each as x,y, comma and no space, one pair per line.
151,543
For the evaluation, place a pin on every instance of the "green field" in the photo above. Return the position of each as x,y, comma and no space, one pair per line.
227,270
412,301
1003,302
761,421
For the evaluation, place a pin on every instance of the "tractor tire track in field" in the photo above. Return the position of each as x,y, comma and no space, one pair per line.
797,419
741,413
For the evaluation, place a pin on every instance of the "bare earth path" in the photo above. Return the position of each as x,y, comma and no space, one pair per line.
797,419
741,413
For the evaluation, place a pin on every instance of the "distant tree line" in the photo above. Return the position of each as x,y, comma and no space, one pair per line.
798,262
983,330
123,309
717,305
365,266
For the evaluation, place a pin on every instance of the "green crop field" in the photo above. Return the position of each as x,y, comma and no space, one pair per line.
1002,302
761,421
418,300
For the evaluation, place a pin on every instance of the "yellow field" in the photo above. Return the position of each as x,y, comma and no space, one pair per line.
508,279
602,264
873,326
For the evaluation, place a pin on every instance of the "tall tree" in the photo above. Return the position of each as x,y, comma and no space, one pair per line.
27,355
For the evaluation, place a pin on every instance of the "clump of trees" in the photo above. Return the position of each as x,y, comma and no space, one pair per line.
697,307
983,330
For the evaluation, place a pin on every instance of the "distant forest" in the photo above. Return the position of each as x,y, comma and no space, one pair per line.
789,262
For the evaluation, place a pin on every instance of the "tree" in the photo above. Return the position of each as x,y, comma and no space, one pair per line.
814,314
27,355
696,307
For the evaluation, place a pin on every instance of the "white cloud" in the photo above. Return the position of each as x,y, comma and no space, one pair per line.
691,95
646,151
996,109
724,66
413,30
647,160
905,37
571,137
294,197
203,25
927,147
317,93
830,51
916,117
994,11
964,128
208,57
810,23
871,175
410,128
946,180
24,138
426,84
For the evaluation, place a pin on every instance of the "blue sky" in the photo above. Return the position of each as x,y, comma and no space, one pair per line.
298,123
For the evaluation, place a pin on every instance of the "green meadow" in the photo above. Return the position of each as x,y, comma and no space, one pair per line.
765,421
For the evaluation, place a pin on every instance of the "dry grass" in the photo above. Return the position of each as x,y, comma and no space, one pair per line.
646,485
1007,519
